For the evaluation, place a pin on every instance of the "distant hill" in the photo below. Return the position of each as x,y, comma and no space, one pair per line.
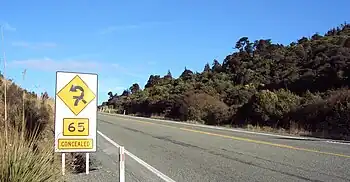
302,86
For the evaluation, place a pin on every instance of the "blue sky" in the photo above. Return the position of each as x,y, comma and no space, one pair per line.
126,41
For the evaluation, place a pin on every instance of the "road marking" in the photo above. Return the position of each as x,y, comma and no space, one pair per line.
140,161
247,140
335,142
215,127
266,143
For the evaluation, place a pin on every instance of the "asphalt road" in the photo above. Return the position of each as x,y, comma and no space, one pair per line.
193,153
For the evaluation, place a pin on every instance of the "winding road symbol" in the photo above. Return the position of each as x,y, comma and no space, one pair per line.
74,88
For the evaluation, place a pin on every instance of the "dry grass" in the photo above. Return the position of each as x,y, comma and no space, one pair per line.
32,158
264,129
293,131
27,160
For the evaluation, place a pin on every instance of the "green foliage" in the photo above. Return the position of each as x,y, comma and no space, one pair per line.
327,117
205,108
267,107
134,88
263,83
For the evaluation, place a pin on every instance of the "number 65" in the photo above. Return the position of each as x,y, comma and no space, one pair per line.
80,127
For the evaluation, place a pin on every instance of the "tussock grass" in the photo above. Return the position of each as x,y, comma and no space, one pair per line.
32,158
26,160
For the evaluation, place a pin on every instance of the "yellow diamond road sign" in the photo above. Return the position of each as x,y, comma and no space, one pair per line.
76,112
76,95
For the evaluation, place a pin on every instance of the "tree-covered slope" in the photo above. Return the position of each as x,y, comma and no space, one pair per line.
299,86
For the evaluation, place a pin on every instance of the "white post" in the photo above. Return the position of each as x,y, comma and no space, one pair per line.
63,163
124,112
87,163
5,90
121,164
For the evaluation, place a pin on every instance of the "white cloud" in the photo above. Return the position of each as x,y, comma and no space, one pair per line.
30,45
8,27
48,64
112,77
85,56
114,28
111,29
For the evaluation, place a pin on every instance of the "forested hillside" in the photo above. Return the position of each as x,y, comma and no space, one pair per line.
300,86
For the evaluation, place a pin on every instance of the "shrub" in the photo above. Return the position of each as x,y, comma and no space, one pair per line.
267,108
206,109
311,98
327,118
37,115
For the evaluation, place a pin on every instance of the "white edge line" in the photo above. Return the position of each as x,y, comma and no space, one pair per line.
334,142
140,161
230,129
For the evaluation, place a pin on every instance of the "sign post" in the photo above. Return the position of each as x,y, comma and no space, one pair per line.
75,114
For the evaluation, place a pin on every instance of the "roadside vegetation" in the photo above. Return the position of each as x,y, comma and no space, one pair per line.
29,157
300,88
32,157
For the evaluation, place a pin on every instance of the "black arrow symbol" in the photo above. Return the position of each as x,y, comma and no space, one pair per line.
74,88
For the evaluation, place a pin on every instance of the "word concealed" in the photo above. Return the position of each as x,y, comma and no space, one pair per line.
74,143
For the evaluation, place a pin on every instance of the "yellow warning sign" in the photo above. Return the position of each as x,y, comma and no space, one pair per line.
76,95
74,144
76,127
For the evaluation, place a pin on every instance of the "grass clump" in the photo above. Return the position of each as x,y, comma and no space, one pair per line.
31,158
26,160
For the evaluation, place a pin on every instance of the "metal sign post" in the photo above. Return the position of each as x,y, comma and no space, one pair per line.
75,114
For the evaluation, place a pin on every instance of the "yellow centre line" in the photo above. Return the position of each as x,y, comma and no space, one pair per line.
265,143
246,139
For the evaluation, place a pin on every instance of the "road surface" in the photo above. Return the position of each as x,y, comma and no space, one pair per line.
179,152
